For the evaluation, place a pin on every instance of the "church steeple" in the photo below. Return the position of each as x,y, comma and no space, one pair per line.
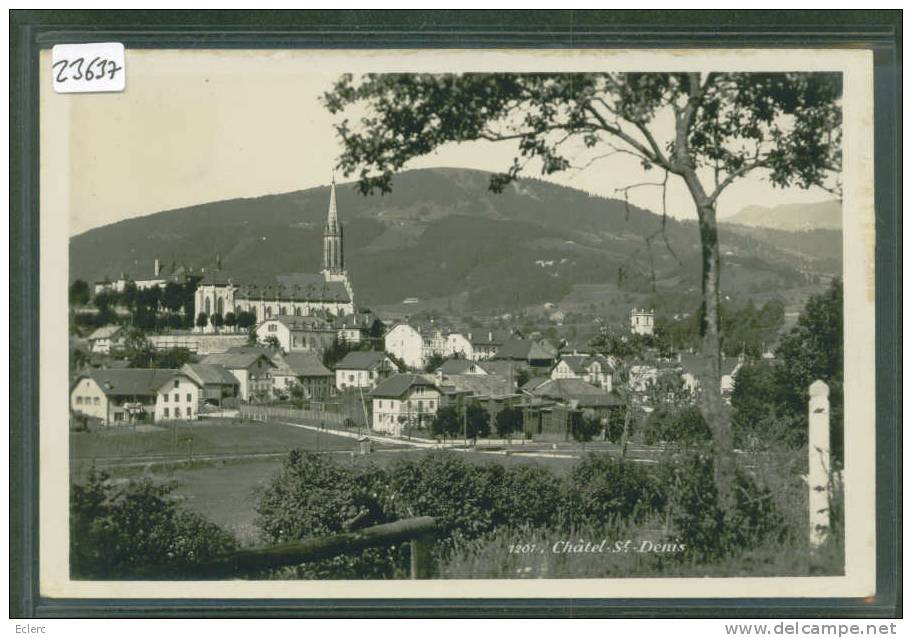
333,256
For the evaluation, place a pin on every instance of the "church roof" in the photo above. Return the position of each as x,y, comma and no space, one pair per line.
294,287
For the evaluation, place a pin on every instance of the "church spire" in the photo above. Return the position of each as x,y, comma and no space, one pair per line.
332,219
333,258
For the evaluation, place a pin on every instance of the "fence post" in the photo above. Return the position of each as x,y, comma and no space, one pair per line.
420,551
818,478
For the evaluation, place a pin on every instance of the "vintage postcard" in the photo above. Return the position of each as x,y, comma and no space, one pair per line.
512,324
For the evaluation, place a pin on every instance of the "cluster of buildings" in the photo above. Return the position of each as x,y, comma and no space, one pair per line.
298,316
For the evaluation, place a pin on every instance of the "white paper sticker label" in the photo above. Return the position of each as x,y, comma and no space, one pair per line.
89,68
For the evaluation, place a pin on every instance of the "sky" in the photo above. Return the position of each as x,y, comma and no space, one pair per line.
200,126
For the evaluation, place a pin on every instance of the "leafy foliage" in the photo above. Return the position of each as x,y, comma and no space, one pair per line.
601,487
508,421
79,293
671,424
770,400
120,531
708,529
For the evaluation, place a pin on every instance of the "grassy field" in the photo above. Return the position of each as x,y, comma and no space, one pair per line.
229,465
200,438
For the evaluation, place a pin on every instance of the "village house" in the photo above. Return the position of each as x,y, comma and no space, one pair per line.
363,369
594,369
219,388
486,343
694,366
354,328
302,370
552,404
528,352
404,400
178,398
460,366
118,396
106,338
297,334
251,367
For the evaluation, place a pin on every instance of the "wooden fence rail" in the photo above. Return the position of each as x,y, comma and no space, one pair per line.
263,413
419,531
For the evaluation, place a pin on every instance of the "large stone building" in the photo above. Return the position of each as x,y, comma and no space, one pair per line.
295,294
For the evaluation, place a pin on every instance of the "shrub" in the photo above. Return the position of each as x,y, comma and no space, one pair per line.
122,531
704,526
602,487
685,425
526,495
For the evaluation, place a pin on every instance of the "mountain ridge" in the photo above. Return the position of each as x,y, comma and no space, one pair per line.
441,233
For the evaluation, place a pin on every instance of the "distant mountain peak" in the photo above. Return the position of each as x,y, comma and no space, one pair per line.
793,217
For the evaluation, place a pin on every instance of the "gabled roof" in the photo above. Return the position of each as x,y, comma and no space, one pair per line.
533,383
524,350
301,364
398,384
459,366
131,381
105,332
284,287
579,363
236,359
583,394
489,337
479,385
362,360
208,374
502,368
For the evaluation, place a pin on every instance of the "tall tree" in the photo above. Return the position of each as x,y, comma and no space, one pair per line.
79,293
706,129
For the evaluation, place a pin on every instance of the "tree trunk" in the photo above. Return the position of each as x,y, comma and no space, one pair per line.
710,395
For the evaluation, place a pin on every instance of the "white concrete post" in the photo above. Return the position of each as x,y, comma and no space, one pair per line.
818,479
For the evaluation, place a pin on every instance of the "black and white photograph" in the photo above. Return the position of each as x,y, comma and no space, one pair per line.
512,323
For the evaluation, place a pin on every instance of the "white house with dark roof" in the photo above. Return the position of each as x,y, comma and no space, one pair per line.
363,369
404,400
250,366
178,398
694,366
118,396
304,370
594,369
106,338
298,333
217,385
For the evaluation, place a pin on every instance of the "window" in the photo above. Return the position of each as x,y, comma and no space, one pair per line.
189,412
177,383
351,377
78,400
177,413
189,397
165,397
118,416
177,397
297,311
166,413
96,401
272,327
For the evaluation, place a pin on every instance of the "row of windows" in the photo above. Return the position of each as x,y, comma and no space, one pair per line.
177,397
419,405
88,401
177,412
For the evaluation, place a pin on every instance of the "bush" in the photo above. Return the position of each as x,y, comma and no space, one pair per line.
704,526
313,496
602,487
121,531
671,425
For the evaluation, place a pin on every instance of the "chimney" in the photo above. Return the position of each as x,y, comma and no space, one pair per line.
157,267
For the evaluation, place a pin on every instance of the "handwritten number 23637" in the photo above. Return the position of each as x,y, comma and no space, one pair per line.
78,69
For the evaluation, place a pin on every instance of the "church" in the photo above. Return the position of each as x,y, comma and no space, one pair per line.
293,294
